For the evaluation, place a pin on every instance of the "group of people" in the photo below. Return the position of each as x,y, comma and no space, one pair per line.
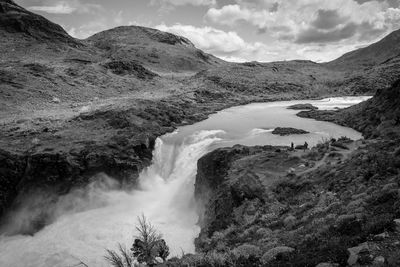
305,146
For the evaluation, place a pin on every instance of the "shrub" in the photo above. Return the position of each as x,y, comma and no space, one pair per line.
147,247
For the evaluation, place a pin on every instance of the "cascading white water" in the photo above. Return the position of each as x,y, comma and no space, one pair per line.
95,218
165,197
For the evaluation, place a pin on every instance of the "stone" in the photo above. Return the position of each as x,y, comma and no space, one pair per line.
354,253
289,221
380,260
271,254
56,100
382,236
397,224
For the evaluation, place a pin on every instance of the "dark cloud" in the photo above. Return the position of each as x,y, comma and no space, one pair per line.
314,35
278,29
369,32
364,31
274,7
328,19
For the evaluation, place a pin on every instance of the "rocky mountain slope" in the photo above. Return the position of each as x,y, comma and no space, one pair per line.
72,108
269,206
379,53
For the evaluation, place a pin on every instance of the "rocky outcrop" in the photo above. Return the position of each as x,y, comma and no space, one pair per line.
302,218
230,191
219,194
288,131
129,67
12,169
302,107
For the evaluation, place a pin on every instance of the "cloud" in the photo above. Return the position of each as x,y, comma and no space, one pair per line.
308,20
313,35
391,3
65,7
58,8
327,19
97,24
319,30
184,2
226,45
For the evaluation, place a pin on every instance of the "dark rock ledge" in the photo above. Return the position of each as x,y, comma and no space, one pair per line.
302,107
288,131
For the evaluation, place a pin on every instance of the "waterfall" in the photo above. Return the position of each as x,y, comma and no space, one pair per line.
164,196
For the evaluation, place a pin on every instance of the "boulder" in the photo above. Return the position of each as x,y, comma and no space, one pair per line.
360,254
379,261
397,224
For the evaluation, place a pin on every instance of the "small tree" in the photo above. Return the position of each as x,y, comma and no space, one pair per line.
149,244
147,247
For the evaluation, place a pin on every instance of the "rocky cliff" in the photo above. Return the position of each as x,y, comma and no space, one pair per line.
269,207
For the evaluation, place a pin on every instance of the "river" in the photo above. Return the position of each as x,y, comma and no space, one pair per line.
101,216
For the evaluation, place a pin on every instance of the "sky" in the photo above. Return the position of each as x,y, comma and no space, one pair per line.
238,30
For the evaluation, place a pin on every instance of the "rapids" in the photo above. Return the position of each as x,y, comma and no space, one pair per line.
102,216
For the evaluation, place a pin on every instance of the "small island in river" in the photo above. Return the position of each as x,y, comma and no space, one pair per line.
302,107
288,131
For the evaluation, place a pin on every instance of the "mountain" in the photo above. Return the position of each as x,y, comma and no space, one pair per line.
381,52
17,20
157,50
121,62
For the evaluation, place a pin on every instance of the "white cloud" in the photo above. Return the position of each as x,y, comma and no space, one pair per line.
58,8
226,45
290,19
98,24
185,2
65,7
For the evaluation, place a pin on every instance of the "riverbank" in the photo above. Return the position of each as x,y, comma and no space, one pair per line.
52,155
337,204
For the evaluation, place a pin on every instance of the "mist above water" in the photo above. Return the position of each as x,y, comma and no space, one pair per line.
91,219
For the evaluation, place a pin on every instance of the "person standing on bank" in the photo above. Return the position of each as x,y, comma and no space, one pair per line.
305,146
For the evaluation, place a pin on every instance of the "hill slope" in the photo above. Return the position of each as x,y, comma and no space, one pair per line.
381,52
15,19
160,51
